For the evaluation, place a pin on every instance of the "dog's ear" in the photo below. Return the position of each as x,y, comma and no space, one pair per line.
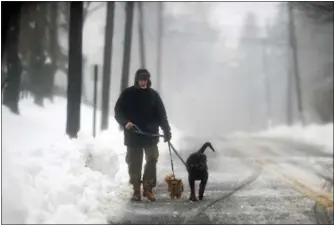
168,177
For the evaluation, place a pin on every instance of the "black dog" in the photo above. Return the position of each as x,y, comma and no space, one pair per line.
198,170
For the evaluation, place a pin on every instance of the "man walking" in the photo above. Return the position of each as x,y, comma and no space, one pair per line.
142,106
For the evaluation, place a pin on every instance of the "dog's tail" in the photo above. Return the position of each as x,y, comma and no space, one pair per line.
204,146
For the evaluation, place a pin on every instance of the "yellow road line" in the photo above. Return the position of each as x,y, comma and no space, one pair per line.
277,171
324,200
322,197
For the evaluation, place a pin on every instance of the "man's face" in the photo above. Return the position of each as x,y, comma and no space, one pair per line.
142,84
143,80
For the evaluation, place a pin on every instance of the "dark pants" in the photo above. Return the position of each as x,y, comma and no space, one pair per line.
134,159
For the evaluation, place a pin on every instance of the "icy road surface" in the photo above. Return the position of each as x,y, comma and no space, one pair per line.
274,176
269,166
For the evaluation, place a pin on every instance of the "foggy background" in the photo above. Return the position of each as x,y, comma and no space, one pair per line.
226,66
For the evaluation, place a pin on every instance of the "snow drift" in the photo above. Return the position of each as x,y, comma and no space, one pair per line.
48,178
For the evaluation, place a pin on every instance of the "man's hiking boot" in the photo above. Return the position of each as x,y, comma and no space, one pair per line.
136,195
148,193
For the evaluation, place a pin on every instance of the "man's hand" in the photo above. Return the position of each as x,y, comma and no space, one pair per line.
129,125
167,136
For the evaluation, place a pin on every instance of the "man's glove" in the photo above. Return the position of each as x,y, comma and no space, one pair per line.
167,136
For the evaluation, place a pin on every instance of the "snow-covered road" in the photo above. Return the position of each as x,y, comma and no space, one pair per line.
47,178
271,168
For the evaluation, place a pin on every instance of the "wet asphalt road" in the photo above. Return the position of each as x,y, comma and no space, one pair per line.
268,197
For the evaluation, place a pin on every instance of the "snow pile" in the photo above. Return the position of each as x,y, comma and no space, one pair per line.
48,178
321,135
53,182
45,177
313,134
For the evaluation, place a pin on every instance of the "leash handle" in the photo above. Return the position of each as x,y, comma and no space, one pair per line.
171,159
139,131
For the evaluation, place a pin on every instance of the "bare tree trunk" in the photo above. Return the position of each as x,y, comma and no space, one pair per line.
159,47
290,81
4,74
293,44
54,47
127,45
12,89
74,69
141,35
109,32
38,56
9,11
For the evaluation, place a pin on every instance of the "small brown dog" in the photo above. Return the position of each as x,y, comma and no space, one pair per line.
175,186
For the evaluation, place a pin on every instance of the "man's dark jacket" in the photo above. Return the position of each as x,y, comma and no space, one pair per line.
144,108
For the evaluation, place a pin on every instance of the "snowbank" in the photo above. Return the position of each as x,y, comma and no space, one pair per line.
45,177
48,178
321,135
313,134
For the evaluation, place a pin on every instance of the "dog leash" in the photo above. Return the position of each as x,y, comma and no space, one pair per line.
171,159
177,154
170,146
139,131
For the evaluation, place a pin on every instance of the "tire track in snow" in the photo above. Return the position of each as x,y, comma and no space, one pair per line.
324,198
200,210
322,214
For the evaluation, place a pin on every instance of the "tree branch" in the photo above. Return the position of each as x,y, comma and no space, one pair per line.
87,12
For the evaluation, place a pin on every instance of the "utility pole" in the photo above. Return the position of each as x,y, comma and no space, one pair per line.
266,80
107,61
95,99
141,35
159,47
293,45
249,66
290,81
127,45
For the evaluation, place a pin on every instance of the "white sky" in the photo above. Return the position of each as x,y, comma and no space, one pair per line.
229,16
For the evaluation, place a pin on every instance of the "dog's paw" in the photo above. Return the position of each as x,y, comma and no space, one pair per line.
200,197
192,198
